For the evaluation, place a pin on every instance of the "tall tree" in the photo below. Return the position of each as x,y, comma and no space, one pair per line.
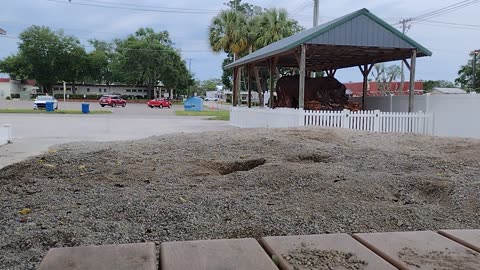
148,58
248,10
273,25
465,74
72,61
42,47
266,28
100,62
228,33
48,57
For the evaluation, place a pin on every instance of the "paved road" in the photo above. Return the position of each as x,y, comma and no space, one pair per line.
35,133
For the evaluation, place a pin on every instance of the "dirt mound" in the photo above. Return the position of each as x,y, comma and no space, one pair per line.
243,183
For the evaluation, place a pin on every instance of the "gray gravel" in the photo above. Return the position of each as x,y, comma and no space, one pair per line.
231,184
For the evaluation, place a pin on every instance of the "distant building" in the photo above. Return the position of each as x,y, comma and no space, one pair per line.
16,88
447,91
356,88
112,89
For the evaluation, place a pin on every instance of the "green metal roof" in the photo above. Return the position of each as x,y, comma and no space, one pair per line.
364,30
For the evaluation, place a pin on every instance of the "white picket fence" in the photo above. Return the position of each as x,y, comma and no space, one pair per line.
376,121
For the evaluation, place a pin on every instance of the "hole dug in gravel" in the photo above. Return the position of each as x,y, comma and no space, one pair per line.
225,168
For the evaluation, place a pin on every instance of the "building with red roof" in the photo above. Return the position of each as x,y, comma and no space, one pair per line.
356,88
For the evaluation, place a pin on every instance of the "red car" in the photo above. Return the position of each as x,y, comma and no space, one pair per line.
159,102
112,100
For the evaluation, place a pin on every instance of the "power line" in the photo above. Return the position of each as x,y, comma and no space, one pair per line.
448,26
438,12
146,6
135,8
445,10
451,23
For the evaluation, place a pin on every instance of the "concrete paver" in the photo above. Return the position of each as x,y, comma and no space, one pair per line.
469,238
233,254
119,257
425,250
339,242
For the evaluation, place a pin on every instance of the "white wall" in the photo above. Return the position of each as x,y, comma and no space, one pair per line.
6,134
454,115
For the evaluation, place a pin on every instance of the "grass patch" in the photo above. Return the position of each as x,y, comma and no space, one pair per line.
215,115
54,112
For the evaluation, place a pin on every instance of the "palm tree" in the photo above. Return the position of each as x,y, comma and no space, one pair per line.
274,25
228,33
269,27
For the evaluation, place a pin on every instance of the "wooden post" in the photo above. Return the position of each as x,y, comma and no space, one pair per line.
412,80
365,71
273,66
365,86
272,72
249,85
235,83
301,88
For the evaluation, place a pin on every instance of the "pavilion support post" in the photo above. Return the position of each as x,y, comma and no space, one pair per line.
365,71
272,82
365,87
249,85
235,83
301,88
411,90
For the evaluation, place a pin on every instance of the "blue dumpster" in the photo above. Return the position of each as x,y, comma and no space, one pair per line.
49,106
193,104
85,108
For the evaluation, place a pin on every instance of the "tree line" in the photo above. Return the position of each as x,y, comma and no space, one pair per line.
143,58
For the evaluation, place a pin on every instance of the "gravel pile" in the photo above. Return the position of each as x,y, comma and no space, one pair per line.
241,183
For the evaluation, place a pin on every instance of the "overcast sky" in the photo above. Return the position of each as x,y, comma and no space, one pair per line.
449,43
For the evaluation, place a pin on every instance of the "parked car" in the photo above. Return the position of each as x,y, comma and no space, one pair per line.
41,102
112,100
159,102
210,99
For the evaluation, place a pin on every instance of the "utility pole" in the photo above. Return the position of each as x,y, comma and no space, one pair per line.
315,12
474,67
405,27
189,72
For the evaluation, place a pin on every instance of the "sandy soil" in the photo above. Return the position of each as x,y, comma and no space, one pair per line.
241,183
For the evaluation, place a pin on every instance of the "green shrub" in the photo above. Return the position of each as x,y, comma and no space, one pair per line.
8,98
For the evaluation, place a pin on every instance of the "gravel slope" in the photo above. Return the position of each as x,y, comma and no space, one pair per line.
241,183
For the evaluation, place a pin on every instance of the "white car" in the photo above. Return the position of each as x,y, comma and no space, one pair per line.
210,99
41,101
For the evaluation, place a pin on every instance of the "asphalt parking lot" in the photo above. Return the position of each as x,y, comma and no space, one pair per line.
36,133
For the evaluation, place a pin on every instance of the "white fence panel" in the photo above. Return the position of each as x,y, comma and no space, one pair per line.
264,117
374,121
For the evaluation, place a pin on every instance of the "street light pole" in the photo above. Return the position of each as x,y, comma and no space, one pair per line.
64,90
474,68
315,12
